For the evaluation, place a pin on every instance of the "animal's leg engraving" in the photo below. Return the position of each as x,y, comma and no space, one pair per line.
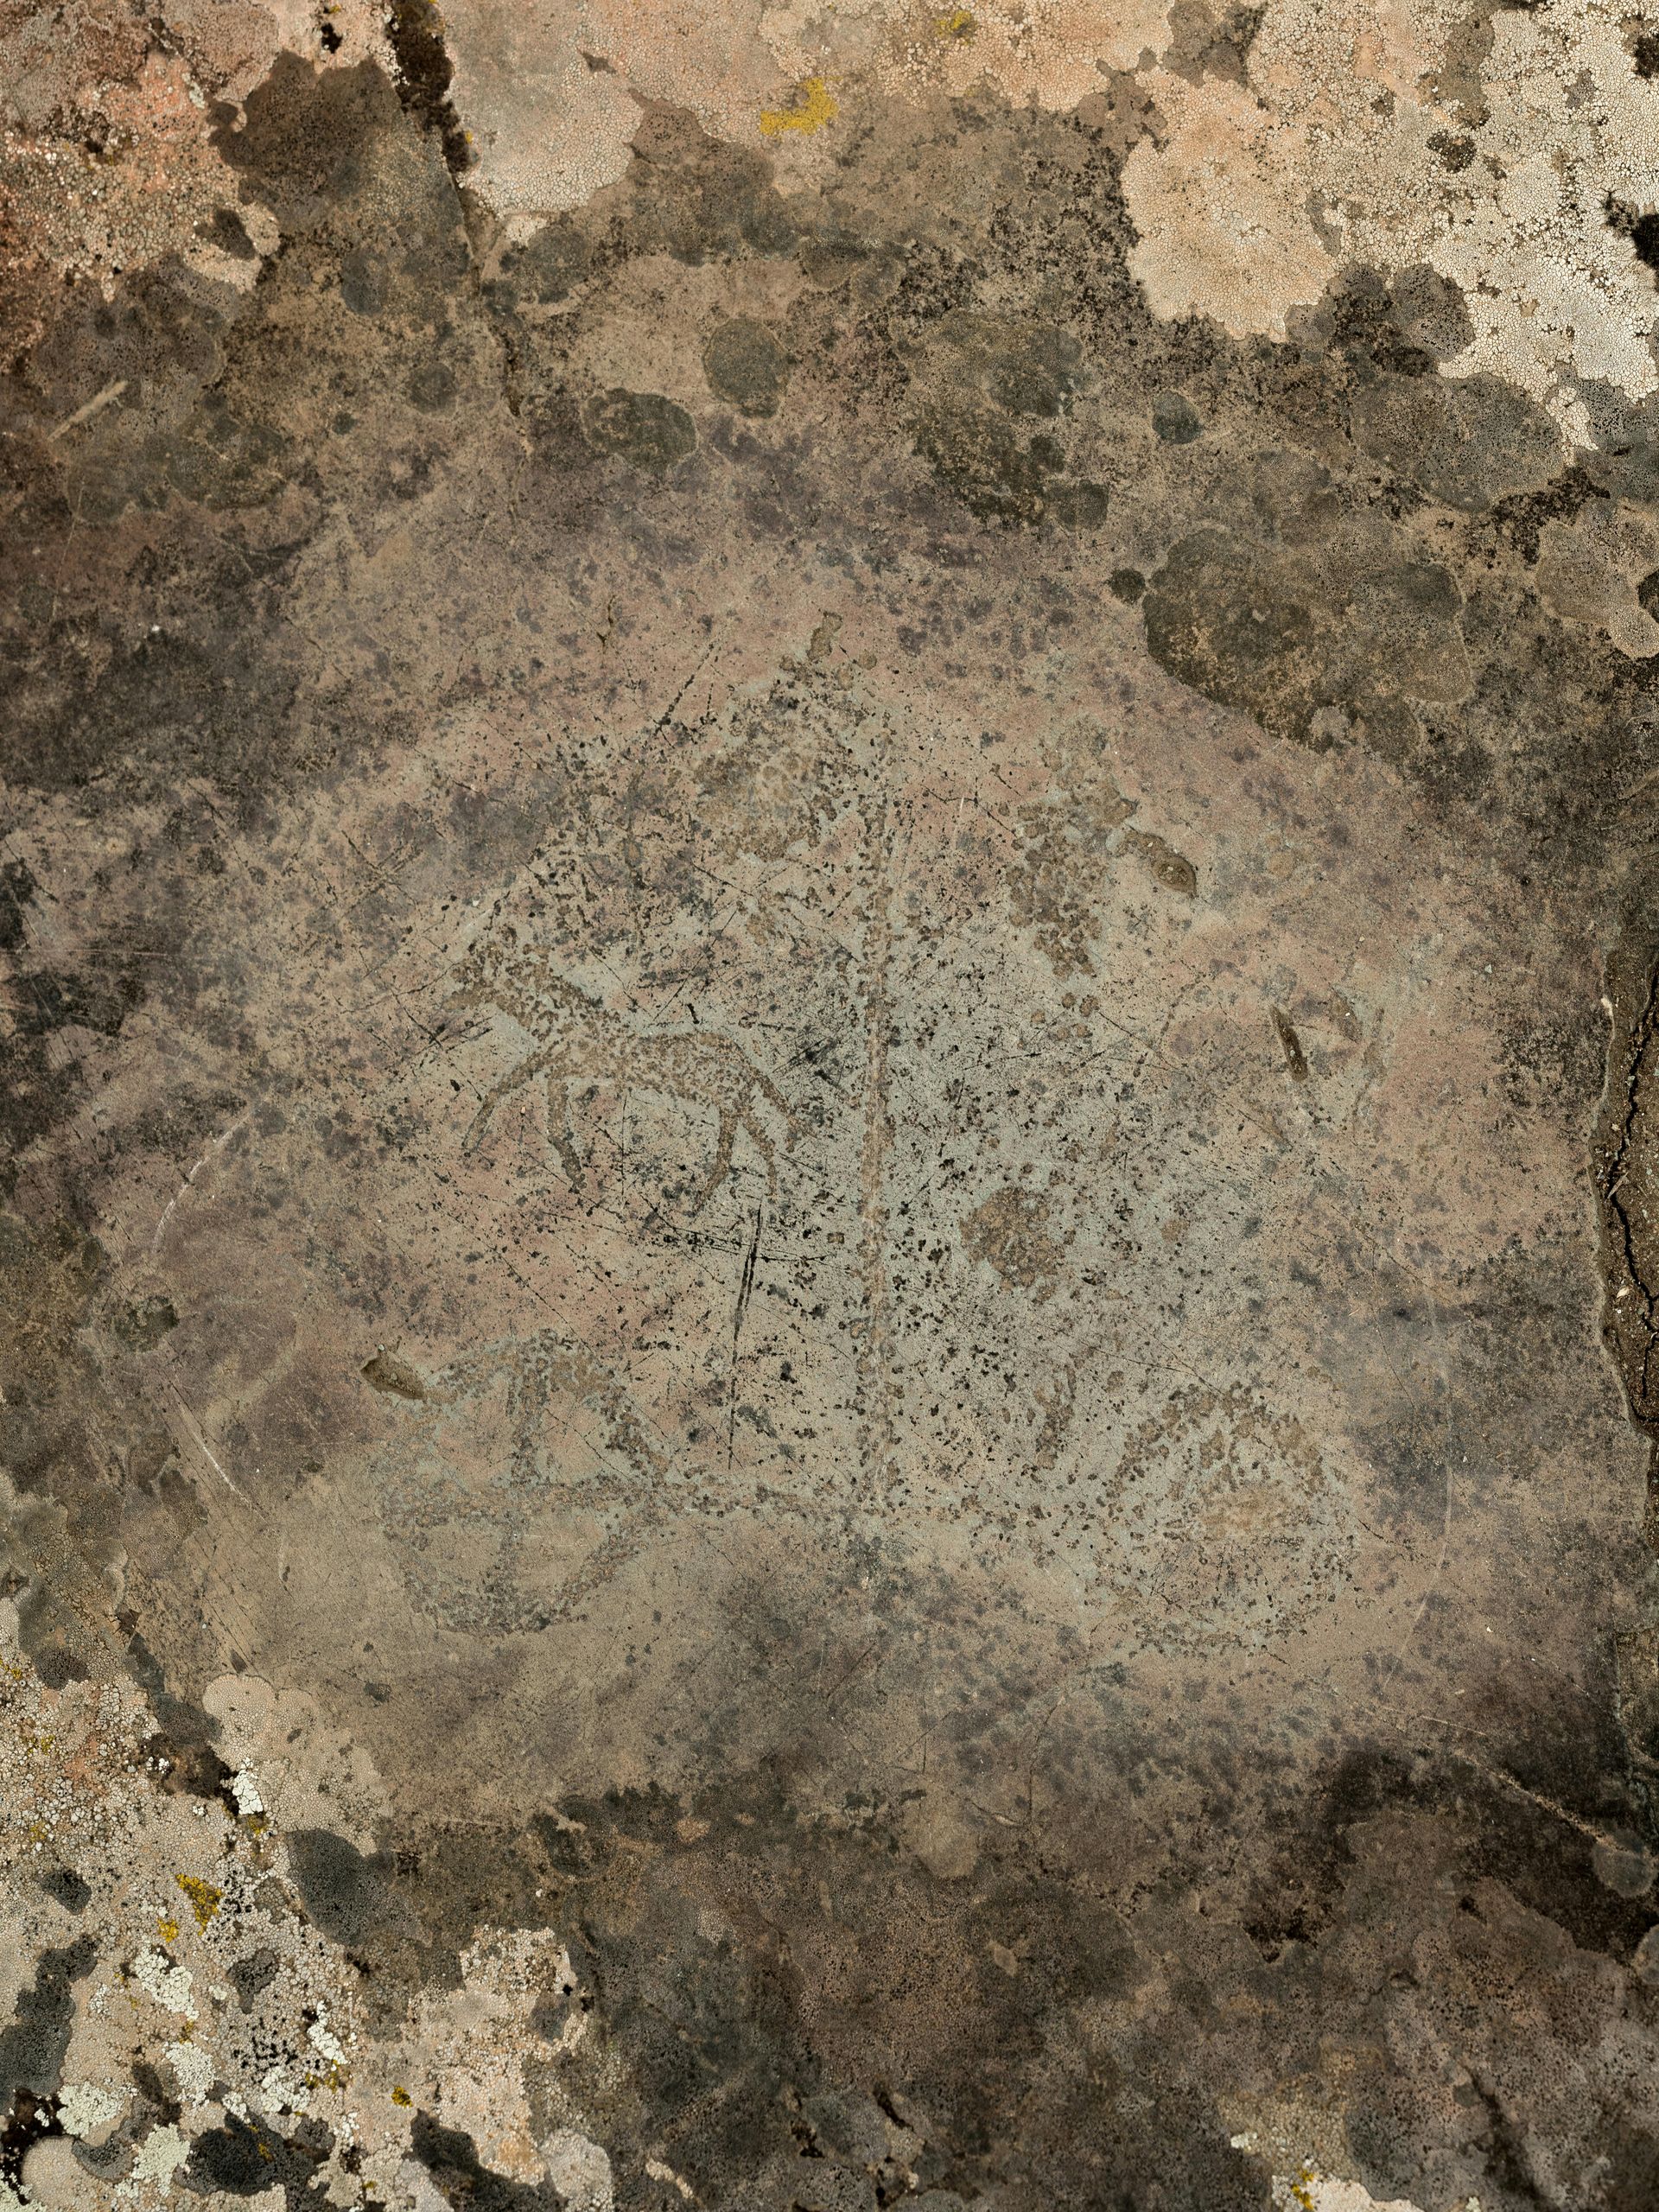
764,1146
771,1092
722,1167
560,1135
532,1065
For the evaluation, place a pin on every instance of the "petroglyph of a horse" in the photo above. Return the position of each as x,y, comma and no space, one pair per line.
580,1041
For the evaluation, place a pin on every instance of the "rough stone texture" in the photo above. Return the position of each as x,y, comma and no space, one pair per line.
830,1106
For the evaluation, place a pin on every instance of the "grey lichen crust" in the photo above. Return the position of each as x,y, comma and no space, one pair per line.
828,1134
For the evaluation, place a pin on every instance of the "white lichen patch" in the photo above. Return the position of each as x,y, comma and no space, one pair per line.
85,2108
1221,207
245,1791
1355,142
207,1969
580,2170
161,1978
192,2069
163,2151
481,2039
323,2039
1310,2191
1366,132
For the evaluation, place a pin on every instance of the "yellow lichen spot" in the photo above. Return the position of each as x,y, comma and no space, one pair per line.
811,107
959,24
400,2095
168,1930
1302,2191
205,1900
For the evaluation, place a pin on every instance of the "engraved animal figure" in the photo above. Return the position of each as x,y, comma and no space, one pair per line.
578,1041
577,1442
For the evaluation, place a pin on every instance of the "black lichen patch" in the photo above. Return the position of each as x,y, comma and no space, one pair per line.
17,888
245,2157
155,591
1628,1174
1309,640
1403,326
979,453
305,136
1175,419
66,1887
32,2050
1209,40
252,1975
979,385
143,1322
344,1892
225,229
641,428
694,197
745,364
1641,227
182,1748
29,2119
1466,443
47,1278
549,267
1080,505
450,2157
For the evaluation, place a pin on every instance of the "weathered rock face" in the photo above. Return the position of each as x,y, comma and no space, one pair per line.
829,1113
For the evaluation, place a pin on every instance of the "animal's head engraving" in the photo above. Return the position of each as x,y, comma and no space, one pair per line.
481,969
500,969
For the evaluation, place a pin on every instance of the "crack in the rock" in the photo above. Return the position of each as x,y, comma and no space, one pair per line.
1637,1384
415,32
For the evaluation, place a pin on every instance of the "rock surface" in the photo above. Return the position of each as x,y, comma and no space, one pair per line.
830,1106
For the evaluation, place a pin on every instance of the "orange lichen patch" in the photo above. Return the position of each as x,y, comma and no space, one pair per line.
205,1900
813,107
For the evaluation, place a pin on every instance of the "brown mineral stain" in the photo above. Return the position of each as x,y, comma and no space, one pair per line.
1291,1045
1010,1233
